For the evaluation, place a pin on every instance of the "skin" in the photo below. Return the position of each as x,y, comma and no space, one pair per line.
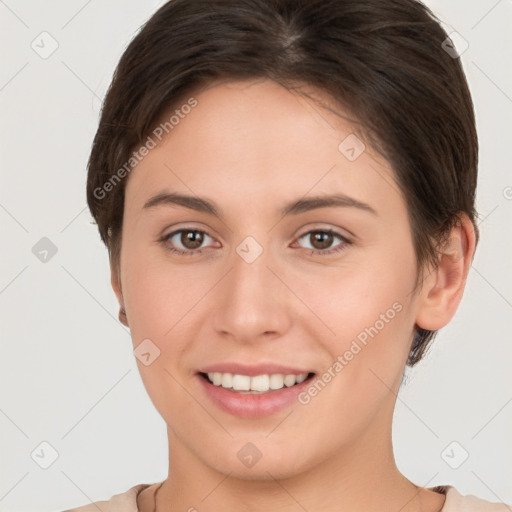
251,147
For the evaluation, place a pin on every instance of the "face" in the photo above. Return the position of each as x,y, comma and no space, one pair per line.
264,282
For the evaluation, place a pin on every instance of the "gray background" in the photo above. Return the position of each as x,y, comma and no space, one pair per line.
68,374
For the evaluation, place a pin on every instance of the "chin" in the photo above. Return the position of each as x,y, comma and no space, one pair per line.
257,460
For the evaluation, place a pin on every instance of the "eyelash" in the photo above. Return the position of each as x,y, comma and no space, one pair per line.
190,252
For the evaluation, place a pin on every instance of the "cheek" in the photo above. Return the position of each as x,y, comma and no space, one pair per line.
372,325
157,294
354,296
164,304
157,302
369,311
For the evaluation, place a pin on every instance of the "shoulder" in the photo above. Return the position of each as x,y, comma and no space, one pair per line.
456,502
122,502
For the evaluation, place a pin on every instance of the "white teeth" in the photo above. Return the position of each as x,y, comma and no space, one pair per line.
301,378
289,380
227,380
258,383
276,381
241,382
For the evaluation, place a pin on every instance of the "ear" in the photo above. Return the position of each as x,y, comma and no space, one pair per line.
443,288
115,280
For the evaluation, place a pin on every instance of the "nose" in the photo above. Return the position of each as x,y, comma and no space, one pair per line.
251,302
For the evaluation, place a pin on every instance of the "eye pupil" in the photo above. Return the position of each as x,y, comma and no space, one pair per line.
327,239
196,237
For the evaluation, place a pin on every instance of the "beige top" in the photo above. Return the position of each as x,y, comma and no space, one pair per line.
455,502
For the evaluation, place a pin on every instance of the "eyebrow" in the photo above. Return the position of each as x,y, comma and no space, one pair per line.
201,204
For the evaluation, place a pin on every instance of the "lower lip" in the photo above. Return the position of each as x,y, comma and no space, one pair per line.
252,406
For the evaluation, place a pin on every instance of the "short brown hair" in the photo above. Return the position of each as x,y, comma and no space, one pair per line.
382,61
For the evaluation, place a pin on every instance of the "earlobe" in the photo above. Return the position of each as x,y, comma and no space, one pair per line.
443,288
122,316
115,280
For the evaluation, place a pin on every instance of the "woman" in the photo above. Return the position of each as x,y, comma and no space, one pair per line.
286,189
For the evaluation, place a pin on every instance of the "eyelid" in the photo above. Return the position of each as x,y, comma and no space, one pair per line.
349,237
186,227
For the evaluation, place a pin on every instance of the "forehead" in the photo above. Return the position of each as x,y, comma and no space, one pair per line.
256,139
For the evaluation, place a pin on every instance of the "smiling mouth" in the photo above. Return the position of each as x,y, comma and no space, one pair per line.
252,385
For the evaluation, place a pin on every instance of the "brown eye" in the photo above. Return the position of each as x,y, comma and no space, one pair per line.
321,241
191,239
185,241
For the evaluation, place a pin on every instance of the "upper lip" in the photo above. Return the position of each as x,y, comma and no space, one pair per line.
253,369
